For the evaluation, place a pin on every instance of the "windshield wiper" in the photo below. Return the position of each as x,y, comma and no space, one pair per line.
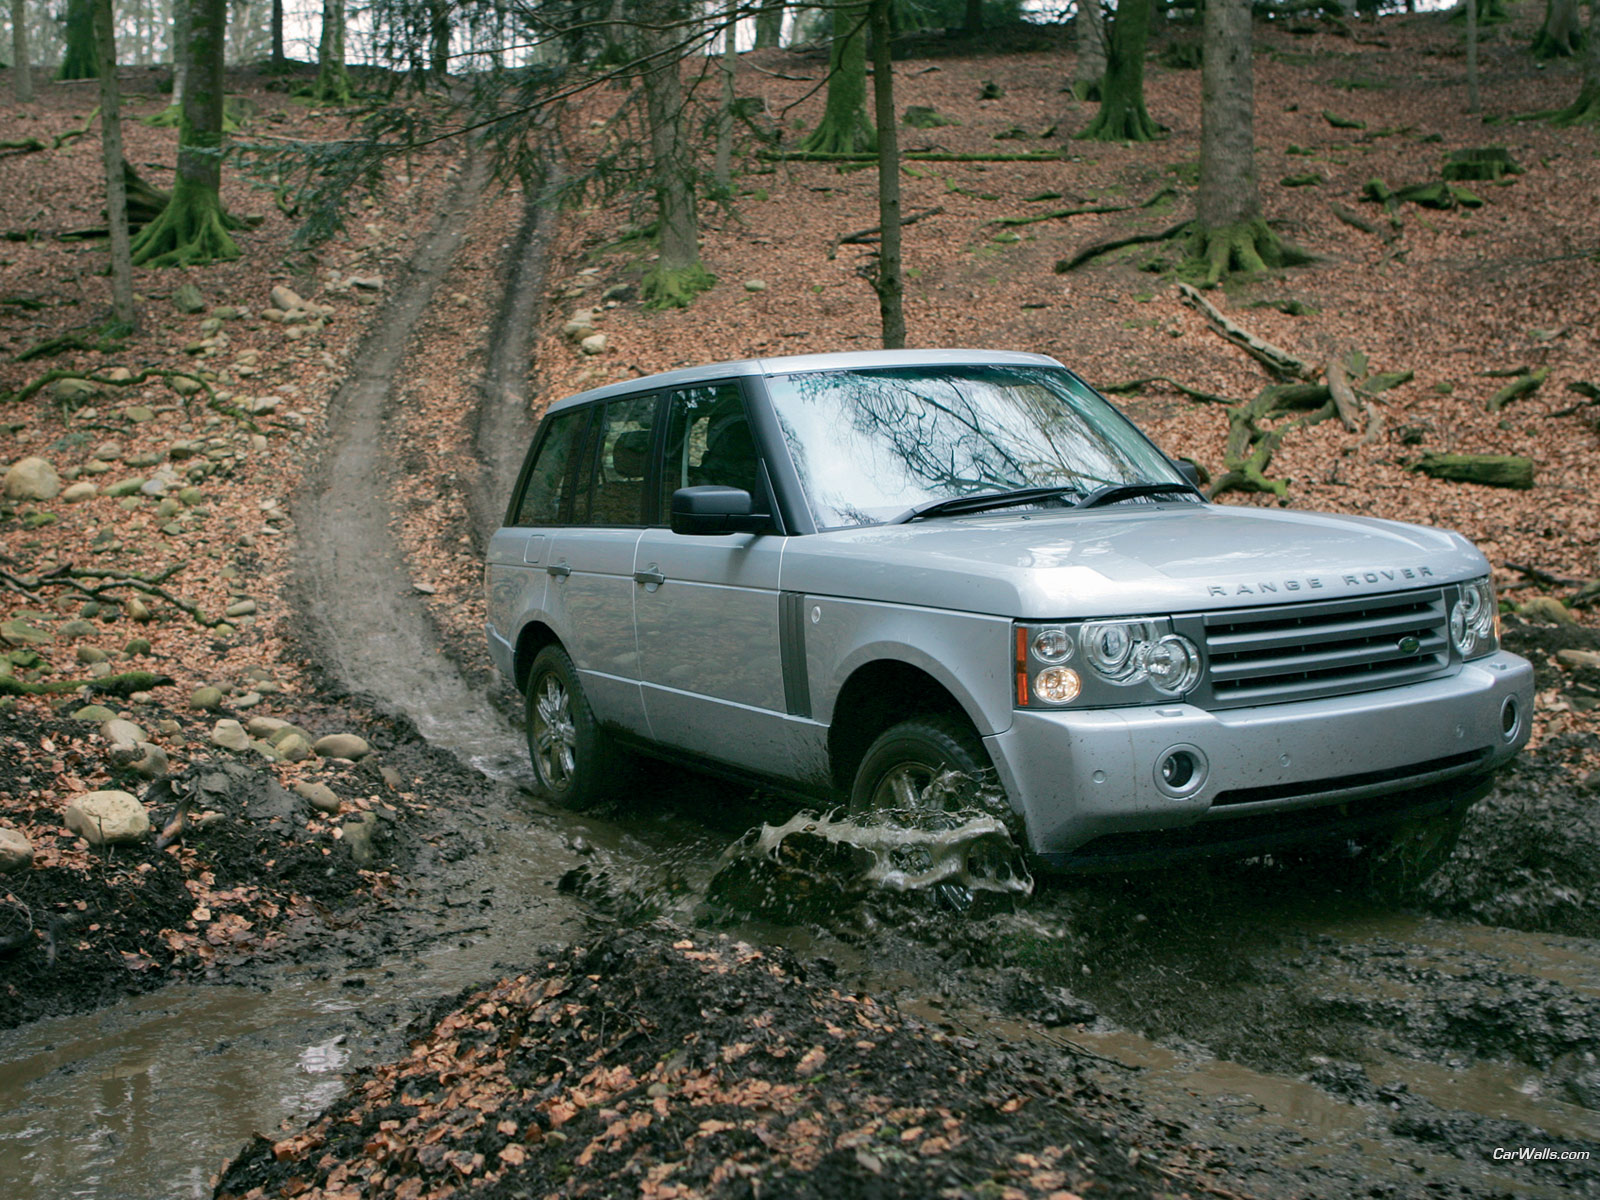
1111,493
980,502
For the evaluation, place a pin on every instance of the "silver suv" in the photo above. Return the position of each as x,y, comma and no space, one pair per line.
842,575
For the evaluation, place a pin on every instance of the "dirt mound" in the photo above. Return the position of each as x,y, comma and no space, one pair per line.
649,1064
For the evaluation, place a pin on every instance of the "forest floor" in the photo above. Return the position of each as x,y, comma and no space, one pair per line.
1164,1034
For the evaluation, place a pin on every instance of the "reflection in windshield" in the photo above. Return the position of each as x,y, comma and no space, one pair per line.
869,445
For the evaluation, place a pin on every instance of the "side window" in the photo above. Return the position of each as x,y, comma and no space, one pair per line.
548,486
623,438
709,441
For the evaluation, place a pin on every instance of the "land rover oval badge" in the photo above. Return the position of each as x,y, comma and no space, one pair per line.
1410,644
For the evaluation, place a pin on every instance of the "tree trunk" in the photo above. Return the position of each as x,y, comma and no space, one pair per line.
1228,232
333,83
769,25
180,51
1123,116
1561,35
193,229
678,275
111,148
889,280
276,35
439,39
844,128
1090,32
78,29
1474,101
723,167
972,22
22,68
1585,110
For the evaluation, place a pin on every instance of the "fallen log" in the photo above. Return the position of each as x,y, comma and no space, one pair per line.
1524,386
1489,470
1279,362
1345,401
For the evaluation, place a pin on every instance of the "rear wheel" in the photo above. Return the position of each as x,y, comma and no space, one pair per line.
574,760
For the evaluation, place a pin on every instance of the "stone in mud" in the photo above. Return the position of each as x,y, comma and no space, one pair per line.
261,727
319,795
342,745
292,748
16,851
230,735
32,478
108,818
206,699
361,834
122,733
152,761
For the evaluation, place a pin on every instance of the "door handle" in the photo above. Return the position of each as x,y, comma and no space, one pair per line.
650,575
559,569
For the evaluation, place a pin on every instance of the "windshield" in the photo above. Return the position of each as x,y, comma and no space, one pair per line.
870,445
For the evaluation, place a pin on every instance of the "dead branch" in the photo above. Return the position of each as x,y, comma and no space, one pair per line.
1345,400
1061,214
231,410
1590,393
1542,576
1525,386
1095,249
862,237
1280,362
72,578
1133,385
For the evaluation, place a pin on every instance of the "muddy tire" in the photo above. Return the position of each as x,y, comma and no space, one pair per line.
575,762
898,768
1396,861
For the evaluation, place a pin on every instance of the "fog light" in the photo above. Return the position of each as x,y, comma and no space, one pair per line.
1181,771
1057,685
1177,770
1510,718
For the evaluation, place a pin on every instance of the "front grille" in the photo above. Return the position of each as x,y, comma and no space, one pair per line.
1328,648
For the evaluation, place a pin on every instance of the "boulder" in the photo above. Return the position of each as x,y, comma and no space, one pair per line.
78,492
319,795
286,299
18,632
230,735
261,727
73,391
293,748
241,608
91,654
187,299
122,733
284,730
755,285
595,343
32,478
342,745
108,818
16,851
206,699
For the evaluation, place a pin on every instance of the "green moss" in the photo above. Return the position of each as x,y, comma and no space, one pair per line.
1250,246
664,287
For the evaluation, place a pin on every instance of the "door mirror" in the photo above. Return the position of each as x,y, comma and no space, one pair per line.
715,509
1191,471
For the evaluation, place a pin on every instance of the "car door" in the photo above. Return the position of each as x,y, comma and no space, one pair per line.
707,607
590,560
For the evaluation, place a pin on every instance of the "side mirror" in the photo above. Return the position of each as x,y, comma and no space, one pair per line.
715,509
1191,471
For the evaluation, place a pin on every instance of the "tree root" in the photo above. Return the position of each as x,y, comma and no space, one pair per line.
123,684
1585,110
75,580
191,231
1250,246
1094,250
664,287
1280,362
212,402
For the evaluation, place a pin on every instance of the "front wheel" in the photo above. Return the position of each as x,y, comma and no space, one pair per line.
932,762
574,760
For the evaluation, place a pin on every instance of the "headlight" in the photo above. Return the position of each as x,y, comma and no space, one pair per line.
1472,620
1139,661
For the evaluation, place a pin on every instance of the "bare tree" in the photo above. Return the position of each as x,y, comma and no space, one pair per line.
1089,30
769,24
22,69
889,278
111,149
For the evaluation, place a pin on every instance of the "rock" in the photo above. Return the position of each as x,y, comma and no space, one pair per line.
206,699
319,795
73,391
342,745
292,748
125,487
392,777
91,654
187,299
230,735
137,609
139,413
108,451
595,343
261,727
80,491
227,312
248,700
152,761
98,713
137,647
1578,659
16,851
287,730
580,326
755,285
18,632
618,292
371,283
32,478
361,835
1546,609
108,818
184,385
262,405
76,628
286,299
122,733
241,608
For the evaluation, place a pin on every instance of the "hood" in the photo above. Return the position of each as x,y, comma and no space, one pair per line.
1153,559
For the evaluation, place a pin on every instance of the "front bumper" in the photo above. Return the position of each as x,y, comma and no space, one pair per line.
1089,783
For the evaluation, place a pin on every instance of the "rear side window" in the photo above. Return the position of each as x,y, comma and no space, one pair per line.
547,493
621,443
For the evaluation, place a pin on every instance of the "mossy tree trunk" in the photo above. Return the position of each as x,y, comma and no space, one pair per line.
769,25
333,82
889,280
1089,30
22,72
1228,232
1123,116
844,128
678,274
79,60
180,52
1585,110
275,35
1561,35
1474,100
193,229
116,181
